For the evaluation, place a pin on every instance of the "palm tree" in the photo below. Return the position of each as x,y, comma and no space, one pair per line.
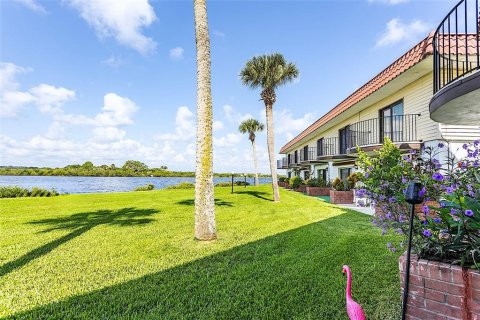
251,126
204,199
268,72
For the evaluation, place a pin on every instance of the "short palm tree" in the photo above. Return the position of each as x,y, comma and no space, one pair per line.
251,126
205,228
268,72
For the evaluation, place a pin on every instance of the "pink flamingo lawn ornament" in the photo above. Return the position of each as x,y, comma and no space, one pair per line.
354,310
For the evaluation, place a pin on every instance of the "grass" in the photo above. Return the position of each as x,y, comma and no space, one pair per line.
132,256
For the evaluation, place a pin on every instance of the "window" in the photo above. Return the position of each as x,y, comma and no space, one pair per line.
391,122
344,173
343,135
305,153
295,157
320,147
322,174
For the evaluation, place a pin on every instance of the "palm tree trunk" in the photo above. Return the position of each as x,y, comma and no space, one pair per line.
255,163
271,152
204,198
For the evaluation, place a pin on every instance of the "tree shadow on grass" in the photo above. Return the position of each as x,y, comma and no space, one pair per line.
79,223
257,194
294,274
218,202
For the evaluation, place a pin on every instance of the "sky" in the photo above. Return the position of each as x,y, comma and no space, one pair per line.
109,81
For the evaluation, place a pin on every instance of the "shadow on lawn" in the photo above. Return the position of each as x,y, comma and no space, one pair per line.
294,274
257,194
79,223
218,202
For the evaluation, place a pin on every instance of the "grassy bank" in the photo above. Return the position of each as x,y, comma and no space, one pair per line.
132,255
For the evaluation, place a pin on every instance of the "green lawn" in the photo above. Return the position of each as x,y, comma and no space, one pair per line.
133,256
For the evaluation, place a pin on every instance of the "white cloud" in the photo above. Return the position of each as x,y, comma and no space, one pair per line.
106,134
114,62
184,129
11,99
397,31
233,116
229,140
122,20
218,33
50,99
32,5
176,53
217,125
116,111
390,2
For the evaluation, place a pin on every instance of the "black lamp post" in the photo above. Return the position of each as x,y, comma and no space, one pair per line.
232,182
413,196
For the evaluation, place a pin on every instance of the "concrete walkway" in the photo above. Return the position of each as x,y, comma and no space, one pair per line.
366,210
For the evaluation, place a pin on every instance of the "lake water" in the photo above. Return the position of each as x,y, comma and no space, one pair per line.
103,184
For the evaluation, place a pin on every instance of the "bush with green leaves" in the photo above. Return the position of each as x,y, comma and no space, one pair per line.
147,187
182,185
18,192
223,184
287,181
295,182
316,182
281,179
448,229
338,184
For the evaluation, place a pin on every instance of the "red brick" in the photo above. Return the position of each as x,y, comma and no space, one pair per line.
457,274
423,269
416,301
435,295
476,295
447,310
425,314
444,286
475,278
456,301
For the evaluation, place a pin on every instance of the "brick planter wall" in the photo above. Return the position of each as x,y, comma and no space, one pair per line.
281,184
439,290
317,191
302,188
341,197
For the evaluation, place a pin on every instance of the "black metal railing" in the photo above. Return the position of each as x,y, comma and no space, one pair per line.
309,154
329,147
456,50
282,163
401,128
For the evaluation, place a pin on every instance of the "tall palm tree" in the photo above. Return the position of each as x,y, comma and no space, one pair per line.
268,72
205,228
251,126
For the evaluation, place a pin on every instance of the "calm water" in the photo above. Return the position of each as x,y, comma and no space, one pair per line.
102,184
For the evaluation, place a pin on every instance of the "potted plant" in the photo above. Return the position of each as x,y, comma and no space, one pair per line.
281,181
287,183
317,187
444,278
341,192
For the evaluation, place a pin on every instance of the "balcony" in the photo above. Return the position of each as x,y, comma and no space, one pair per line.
282,163
308,155
456,66
328,149
368,134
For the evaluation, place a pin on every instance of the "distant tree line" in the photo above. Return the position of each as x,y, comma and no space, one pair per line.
131,168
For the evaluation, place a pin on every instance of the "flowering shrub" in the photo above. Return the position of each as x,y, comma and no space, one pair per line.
448,226
316,182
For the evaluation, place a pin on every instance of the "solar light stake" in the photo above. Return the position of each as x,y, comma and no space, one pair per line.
414,195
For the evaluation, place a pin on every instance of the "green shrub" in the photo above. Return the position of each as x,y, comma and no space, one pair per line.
295,182
352,180
17,192
182,185
281,179
223,184
241,183
147,187
338,184
316,182
287,180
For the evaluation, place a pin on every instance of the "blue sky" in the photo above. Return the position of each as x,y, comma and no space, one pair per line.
109,81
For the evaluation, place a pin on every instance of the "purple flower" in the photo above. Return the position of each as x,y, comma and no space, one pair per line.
449,190
404,180
366,175
426,209
453,211
465,146
421,193
389,244
427,233
437,176
393,249
399,231
425,222
476,143
392,199
437,220
370,168
402,218
469,213
441,145
413,151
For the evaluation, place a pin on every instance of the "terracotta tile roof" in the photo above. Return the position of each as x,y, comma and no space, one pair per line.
405,62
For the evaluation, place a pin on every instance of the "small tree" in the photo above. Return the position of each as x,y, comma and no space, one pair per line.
251,126
135,166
